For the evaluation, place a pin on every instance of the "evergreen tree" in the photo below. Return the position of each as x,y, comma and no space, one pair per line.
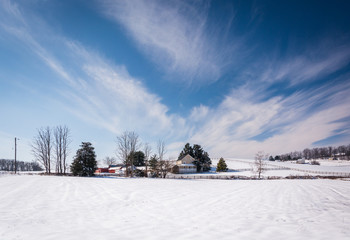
84,163
187,150
153,164
271,158
138,158
221,166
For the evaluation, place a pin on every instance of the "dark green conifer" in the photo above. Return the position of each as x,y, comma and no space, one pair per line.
221,166
84,163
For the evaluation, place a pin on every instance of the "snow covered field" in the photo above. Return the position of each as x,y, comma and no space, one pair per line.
327,167
42,207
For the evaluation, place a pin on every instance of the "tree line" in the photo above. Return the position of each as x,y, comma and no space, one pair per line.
9,165
340,153
133,153
50,147
156,165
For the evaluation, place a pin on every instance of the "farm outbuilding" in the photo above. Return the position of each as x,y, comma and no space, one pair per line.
101,170
301,161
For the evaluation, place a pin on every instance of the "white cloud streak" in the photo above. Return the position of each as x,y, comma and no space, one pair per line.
123,94
314,64
174,34
96,90
14,23
291,123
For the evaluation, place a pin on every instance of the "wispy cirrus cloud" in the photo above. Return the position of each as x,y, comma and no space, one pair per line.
243,123
314,64
96,90
15,24
123,100
285,104
174,34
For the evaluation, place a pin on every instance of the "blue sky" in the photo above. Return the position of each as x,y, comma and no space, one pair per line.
236,77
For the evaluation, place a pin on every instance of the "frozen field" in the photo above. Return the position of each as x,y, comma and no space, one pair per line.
41,207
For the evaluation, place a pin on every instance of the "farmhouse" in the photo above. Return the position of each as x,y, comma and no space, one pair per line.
185,165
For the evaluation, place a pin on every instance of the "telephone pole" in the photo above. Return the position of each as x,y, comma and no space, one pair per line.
15,155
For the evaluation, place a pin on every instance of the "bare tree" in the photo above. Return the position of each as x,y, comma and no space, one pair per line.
307,153
61,144
164,167
42,146
147,151
109,161
161,149
127,144
259,163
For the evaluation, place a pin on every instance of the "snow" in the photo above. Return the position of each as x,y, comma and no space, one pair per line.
48,207
275,168
235,163
325,166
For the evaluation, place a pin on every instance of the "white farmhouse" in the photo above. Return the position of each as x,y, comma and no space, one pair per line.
185,165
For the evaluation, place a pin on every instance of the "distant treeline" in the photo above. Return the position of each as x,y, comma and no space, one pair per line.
340,153
9,165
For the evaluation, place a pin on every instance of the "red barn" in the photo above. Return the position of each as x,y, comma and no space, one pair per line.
101,170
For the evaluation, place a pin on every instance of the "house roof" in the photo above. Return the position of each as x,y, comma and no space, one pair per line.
188,159
116,165
184,157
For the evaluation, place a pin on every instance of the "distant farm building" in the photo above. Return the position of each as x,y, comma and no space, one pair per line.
301,161
185,165
117,169
101,170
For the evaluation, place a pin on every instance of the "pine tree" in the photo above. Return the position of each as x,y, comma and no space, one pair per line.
138,158
153,164
221,166
187,150
84,163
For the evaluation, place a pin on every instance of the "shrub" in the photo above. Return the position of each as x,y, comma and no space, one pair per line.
314,162
139,173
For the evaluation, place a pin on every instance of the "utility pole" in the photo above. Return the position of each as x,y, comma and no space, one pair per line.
15,155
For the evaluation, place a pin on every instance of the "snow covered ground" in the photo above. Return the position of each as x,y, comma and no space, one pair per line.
327,167
48,207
